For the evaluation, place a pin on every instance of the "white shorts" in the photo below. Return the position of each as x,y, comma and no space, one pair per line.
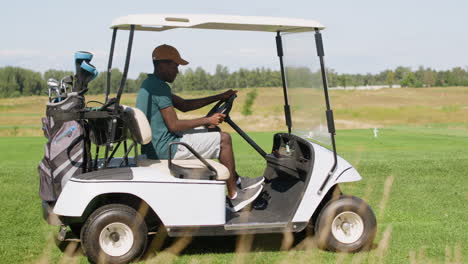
207,144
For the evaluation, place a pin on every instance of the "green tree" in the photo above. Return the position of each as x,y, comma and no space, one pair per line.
9,86
429,77
390,78
408,80
342,80
401,72
220,78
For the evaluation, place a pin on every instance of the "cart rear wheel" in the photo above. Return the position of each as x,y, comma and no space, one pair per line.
114,234
347,224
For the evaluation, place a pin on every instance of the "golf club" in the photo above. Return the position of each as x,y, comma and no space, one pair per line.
66,81
57,91
52,84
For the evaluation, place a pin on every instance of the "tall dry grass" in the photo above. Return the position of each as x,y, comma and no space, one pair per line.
352,109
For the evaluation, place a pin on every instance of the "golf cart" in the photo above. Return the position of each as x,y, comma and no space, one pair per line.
113,203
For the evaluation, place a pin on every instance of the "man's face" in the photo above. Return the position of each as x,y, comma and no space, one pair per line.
168,71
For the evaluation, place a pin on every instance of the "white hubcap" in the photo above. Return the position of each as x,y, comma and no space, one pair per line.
347,227
116,239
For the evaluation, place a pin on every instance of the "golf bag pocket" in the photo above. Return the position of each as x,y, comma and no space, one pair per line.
64,157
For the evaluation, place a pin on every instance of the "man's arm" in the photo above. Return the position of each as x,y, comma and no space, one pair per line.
192,104
174,124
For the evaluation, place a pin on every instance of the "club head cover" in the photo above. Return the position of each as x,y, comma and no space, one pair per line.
89,71
80,57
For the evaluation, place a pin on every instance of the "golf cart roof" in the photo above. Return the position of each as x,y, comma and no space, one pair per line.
162,22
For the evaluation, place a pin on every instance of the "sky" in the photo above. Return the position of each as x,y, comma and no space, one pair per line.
361,36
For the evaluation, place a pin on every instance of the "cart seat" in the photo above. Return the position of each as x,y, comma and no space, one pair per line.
138,125
162,165
140,130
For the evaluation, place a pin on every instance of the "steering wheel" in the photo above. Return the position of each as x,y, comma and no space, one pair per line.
223,107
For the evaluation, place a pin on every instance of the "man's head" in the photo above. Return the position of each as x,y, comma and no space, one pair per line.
166,60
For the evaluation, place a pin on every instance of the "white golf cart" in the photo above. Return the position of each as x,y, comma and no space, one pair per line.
117,201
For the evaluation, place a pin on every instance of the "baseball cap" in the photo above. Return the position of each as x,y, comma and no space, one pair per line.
167,52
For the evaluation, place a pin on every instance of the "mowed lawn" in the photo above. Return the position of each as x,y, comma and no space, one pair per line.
415,179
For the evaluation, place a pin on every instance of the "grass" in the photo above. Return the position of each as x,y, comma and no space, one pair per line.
414,179
352,109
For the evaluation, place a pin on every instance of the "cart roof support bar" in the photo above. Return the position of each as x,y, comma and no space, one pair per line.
329,112
109,65
110,139
127,63
287,109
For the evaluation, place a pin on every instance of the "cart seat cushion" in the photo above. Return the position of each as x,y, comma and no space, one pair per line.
138,125
162,165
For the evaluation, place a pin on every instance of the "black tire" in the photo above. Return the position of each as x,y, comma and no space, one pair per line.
114,223
346,225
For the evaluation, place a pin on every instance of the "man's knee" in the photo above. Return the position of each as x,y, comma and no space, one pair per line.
225,138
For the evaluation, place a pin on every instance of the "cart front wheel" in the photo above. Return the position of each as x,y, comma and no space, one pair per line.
347,225
114,234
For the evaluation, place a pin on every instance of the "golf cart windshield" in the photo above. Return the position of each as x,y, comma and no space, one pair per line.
305,87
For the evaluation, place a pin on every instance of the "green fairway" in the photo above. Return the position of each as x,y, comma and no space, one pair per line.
422,219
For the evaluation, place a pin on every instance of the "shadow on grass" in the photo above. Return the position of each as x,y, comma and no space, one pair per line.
228,244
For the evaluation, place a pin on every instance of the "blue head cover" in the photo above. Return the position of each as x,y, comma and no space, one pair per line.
90,69
83,55
85,71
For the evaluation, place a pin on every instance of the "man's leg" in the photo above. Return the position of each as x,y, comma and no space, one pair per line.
226,157
216,144
238,199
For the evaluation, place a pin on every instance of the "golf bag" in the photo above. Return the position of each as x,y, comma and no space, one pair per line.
67,151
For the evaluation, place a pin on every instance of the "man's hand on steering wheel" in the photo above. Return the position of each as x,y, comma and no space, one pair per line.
216,119
224,107
226,95
221,110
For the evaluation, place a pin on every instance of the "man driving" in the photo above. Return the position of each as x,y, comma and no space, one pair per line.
158,103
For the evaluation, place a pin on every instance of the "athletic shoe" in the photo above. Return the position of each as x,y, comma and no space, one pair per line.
244,198
244,183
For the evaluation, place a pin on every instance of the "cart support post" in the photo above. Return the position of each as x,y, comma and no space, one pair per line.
287,109
109,65
329,112
127,63
109,145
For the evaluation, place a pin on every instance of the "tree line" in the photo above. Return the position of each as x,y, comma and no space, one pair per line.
15,81
404,76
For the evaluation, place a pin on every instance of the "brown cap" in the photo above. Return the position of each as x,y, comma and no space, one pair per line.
166,52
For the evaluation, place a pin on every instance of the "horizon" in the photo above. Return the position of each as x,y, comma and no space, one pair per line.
212,72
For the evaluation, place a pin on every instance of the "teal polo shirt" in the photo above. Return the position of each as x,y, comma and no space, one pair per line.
154,95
